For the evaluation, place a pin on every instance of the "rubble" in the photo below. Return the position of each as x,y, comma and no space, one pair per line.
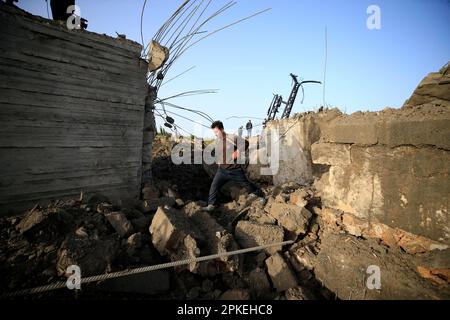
168,225
93,256
258,282
192,233
250,234
292,217
280,273
174,236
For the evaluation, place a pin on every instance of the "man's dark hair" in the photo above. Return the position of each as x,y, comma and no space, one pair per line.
217,124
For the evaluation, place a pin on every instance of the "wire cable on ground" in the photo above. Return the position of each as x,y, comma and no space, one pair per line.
124,273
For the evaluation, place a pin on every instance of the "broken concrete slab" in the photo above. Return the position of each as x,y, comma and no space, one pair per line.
393,237
279,271
413,199
299,198
250,234
157,56
174,236
120,223
190,233
292,217
217,240
434,88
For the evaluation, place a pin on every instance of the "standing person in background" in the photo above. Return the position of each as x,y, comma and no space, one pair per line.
249,128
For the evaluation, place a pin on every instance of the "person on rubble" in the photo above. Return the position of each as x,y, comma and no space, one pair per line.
229,168
249,128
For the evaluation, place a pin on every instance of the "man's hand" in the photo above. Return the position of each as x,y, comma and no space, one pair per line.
235,154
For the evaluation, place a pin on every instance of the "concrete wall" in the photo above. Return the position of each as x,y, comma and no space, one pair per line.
387,174
390,167
71,112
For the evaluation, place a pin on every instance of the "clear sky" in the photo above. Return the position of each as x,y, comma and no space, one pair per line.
367,69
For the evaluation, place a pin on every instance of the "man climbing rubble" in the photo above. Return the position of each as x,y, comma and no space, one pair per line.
228,158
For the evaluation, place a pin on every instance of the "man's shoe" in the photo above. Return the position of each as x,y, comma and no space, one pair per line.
210,208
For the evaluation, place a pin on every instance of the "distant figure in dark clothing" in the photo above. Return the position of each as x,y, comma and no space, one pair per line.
249,128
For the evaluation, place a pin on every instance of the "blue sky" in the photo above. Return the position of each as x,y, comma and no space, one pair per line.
367,69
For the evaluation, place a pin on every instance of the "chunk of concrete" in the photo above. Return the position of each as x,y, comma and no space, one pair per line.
298,198
293,218
120,223
279,271
217,240
174,236
157,56
250,234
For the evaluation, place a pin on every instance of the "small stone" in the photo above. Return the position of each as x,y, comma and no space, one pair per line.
291,217
81,232
250,234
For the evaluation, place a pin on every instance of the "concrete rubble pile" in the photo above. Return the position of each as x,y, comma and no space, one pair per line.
364,192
